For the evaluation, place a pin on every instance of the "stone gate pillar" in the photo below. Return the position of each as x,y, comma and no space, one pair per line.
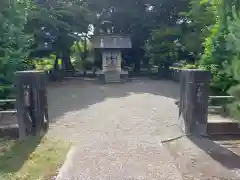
31,102
193,107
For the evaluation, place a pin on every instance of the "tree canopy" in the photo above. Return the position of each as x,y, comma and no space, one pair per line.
14,40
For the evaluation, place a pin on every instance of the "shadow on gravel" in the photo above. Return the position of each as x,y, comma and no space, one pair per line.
219,153
77,94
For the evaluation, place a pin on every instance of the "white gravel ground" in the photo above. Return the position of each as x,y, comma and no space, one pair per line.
118,129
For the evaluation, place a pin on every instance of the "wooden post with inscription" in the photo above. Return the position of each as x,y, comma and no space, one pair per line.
31,102
193,105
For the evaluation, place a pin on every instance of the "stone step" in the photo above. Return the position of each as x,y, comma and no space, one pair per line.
112,77
218,125
223,128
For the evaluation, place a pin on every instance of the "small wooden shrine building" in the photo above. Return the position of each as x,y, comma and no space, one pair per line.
111,47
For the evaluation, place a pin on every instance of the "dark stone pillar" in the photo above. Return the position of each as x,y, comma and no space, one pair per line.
31,102
194,93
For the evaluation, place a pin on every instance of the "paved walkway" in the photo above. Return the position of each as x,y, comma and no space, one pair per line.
118,132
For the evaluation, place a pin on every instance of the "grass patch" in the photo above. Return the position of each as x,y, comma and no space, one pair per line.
32,159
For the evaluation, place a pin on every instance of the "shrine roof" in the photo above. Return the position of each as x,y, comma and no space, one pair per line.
111,42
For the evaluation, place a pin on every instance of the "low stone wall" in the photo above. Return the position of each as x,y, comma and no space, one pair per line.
124,75
175,75
170,74
52,75
9,125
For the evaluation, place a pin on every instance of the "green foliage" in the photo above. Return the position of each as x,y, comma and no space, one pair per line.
15,41
234,108
45,63
221,51
218,50
81,52
196,26
234,70
183,37
161,47
191,66
59,24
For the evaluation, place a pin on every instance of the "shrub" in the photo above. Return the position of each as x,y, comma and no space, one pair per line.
191,66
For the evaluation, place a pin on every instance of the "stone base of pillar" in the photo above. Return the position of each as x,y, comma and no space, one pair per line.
192,129
112,78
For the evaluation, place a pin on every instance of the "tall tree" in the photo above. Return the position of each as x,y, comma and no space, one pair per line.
14,41
57,24
161,47
138,18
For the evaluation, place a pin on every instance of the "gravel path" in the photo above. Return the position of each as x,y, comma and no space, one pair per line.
118,130
85,110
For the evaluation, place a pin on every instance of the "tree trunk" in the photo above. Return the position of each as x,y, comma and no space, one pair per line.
137,65
138,56
85,49
56,63
83,53
79,50
67,64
